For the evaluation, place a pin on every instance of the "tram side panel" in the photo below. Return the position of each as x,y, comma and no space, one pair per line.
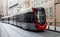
21,21
26,21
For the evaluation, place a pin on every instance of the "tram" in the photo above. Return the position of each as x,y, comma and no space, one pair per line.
30,19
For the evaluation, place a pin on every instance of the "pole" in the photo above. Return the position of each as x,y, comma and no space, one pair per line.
55,16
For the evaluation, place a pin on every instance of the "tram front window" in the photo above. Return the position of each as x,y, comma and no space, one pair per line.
40,16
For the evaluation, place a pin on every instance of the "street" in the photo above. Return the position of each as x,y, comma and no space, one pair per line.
7,30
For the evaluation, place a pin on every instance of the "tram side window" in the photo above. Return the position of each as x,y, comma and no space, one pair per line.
25,18
2,19
32,18
29,18
17,18
8,19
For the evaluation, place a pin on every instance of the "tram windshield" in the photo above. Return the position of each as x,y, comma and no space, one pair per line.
40,16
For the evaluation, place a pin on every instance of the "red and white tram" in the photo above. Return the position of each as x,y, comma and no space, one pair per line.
31,19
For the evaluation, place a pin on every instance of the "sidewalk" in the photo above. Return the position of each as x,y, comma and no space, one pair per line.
53,28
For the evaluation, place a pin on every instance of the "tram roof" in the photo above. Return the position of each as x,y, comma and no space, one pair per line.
20,12
6,16
27,10
23,11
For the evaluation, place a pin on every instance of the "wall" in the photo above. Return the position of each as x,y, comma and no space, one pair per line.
12,5
57,6
0,8
12,11
5,7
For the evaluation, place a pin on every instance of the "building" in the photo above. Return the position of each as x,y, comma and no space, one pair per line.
52,8
1,7
12,7
4,7
9,7
57,12
21,5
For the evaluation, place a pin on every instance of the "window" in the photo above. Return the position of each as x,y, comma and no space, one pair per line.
50,13
38,2
55,0
46,0
50,23
46,13
42,1
58,0
40,15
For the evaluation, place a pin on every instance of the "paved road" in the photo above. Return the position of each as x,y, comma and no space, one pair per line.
7,30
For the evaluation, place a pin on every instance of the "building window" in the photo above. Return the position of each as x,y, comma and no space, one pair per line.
46,13
46,0
58,0
42,1
55,1
50,23
50,13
